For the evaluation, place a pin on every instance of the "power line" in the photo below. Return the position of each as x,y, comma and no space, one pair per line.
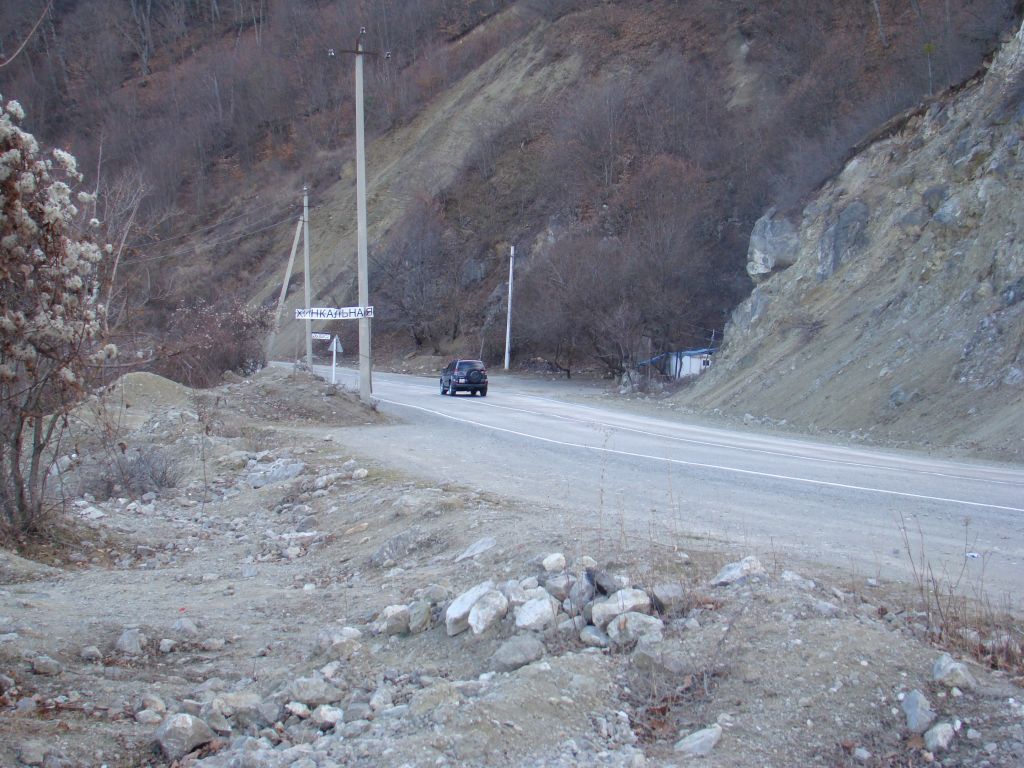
214,225
233,238
31,32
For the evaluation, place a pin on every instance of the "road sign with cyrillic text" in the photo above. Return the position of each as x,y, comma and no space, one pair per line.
334,313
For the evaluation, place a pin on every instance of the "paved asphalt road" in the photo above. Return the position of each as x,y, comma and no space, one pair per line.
836,505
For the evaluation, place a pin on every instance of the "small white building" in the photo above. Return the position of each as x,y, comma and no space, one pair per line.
678,365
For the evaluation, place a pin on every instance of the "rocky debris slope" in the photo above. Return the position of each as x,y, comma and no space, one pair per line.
891,308
291,605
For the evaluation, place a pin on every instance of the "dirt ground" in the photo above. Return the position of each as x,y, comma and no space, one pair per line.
233,543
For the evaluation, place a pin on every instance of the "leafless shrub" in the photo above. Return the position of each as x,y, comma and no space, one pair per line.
152,469
805,326
134,472
954,617
256,439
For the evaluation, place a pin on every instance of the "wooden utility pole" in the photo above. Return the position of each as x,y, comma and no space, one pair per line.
284,287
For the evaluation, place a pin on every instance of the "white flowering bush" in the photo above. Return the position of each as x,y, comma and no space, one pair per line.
50,321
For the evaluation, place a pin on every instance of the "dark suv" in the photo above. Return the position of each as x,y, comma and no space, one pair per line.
464,376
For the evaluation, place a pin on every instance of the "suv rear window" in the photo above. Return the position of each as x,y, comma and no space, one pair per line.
470,365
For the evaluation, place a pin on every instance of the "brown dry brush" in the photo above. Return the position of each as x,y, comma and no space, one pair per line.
971,624
206,340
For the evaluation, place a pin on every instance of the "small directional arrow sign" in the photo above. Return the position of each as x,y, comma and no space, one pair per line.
336,346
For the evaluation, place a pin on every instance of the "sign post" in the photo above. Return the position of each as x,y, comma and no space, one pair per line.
333,313
335,349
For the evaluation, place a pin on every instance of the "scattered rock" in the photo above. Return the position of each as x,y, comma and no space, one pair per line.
918,710
952,673
395,619
313,691
536,614
477,548
668,597
623,601
130,642
554,563
700,743
419,616
32,753
457,616
735,573
489,609
517,652
939,737
630,627
181,733
46,666
325,716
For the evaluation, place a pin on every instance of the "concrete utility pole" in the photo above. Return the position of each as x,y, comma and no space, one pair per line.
508,319
365,356
365,359
305,258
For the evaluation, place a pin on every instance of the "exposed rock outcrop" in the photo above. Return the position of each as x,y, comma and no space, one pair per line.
901,317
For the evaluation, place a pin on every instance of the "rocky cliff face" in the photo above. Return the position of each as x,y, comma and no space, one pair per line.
892,306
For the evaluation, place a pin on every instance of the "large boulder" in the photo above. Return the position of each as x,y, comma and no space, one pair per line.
774,244
487,611
181,733
456,618
623,601
313,691
843,238
516,652
536,614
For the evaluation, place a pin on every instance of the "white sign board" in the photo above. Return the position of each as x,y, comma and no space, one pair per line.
333,313
336,346
321,336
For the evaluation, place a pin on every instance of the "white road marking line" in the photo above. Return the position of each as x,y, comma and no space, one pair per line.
721,468
747,449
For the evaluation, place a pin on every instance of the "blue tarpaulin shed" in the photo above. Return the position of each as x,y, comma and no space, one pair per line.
689,362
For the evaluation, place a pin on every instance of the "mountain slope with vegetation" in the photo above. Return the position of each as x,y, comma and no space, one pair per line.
902,315
626,150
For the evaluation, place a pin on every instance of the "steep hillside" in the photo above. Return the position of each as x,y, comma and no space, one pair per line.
901,317
421,159
626,150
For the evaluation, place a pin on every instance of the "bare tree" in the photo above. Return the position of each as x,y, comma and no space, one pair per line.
138,30
881,24
418,281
